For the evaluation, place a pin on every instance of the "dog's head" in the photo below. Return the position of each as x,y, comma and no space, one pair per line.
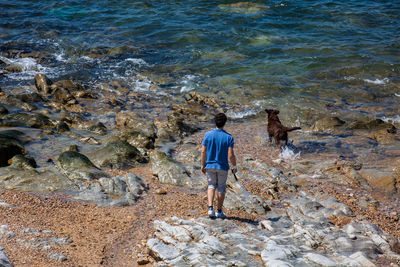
272,114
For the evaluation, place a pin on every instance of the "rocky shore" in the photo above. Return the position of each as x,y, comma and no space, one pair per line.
102,175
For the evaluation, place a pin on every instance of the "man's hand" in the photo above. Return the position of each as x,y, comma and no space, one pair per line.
203,169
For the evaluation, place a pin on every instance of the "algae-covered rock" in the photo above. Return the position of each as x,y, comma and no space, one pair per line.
78,167
10,145
134,138
34,180
34,120
23,163
118,155
130,120
376,124
98,128
14,101
327,125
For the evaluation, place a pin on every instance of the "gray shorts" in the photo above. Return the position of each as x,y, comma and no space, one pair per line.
217,179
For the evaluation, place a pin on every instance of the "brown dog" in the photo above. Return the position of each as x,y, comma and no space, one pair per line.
276,129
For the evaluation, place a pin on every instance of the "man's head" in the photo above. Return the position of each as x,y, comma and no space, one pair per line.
220,120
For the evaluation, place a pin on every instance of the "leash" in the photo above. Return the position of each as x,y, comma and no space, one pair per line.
234,175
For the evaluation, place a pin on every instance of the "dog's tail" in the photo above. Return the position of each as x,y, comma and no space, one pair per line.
289,129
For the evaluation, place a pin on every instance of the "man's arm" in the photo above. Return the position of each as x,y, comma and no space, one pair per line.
232,159
203,159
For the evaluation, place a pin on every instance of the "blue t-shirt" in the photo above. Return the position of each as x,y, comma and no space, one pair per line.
217,142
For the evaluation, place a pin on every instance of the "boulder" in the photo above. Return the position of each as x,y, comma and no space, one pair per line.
68,85
169,171
78,167
10,145
327,125
3,110
35,180
23,163
33,120
375,124
130,120
63,96
14,101
98,128
175,127
43,84
118,155
134,138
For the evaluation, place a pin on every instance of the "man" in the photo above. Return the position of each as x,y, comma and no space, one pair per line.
216,148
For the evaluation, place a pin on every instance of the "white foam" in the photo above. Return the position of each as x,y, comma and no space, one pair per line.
398,95
377,81
241,114
289,154
141,83
26,64
392,120
189,83
137,61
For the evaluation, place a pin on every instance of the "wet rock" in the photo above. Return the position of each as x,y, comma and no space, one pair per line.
63,96
68,85
118,155
10,145
30,98
169,171
73,148
43,84
130,120
202,99
23,163
376,124
62,127
175,127
14,101
98,128
327,125
33,120
84,95
78,167
384,180
3,110
134,138
13,68
46,179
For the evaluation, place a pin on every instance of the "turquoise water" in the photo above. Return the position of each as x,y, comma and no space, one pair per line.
293,55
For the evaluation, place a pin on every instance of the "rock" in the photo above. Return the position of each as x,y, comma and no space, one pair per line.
78,167
46,179
161,191
9,147
30,98
73,148
320,260
130,120
14,101
159,250
169,171
376,124
202,99
176,126
62,127
43,84
13,68
3,110
384,180
57,257
23,163
98,128
4,261
68,85
238,198
118,155
33,120
63,96
327,125
134,138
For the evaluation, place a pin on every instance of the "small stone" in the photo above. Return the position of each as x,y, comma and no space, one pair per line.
161,191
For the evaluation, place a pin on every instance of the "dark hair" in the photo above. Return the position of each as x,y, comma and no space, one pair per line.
220,120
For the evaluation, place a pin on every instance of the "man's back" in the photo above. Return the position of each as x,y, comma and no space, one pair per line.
217,142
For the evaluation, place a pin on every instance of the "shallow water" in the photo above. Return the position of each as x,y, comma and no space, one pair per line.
298,55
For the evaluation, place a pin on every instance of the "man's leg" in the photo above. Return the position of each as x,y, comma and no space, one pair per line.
210,195
220,199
